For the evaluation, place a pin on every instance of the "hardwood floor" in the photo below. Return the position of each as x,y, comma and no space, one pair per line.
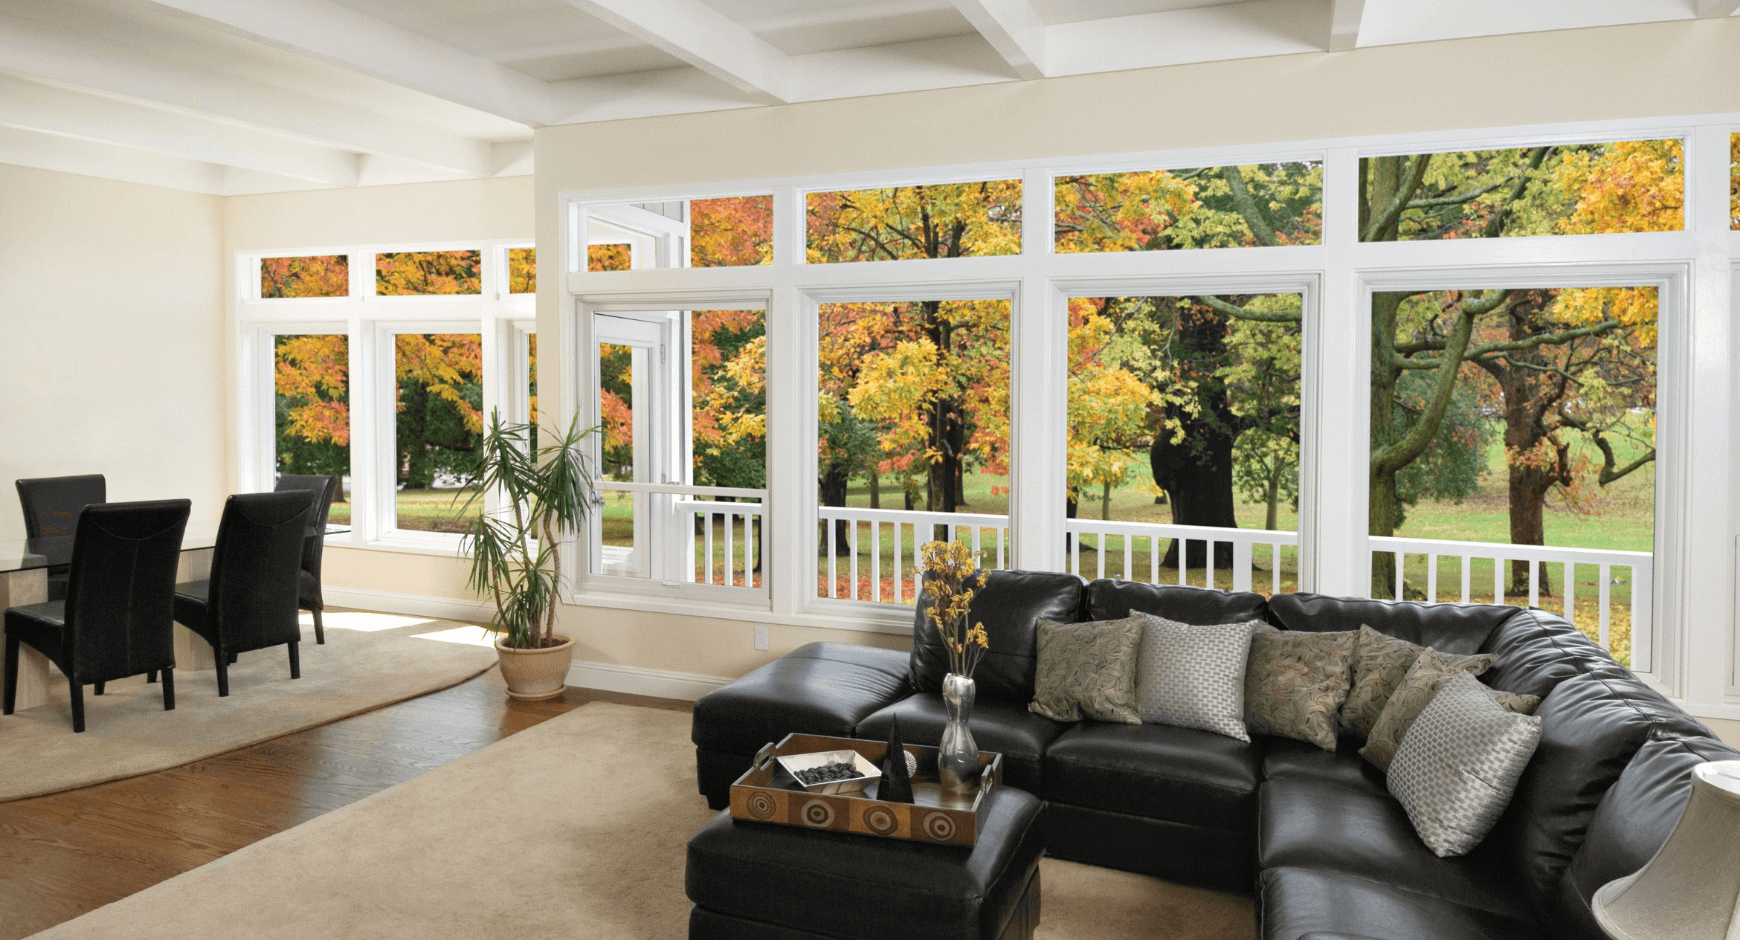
72,852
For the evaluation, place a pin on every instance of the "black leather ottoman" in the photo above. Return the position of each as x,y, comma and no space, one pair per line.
772,882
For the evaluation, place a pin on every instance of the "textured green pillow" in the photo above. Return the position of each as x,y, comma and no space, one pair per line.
1296,681
1415,693
1088,668
1379,664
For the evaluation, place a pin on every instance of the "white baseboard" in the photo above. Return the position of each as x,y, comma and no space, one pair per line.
417,605
633,680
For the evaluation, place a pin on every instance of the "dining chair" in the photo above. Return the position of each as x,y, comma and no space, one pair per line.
249,602
51,509
115,620
308,581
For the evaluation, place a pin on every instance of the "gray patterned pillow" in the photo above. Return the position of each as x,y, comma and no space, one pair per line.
1411,698
1457,768
1193,676
1379,663
1090,667
1296,681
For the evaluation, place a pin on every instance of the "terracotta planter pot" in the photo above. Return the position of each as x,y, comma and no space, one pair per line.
534,675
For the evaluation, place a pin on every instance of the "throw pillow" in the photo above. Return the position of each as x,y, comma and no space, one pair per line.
1457,768
1087,667
1296,681
1411,698
1193,676
1379,663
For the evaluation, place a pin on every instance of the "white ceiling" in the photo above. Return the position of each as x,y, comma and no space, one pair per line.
243,96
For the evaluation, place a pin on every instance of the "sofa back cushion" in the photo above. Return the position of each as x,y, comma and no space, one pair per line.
1537,650
1447,628
1109,599
1631,824
1010,606
1591,727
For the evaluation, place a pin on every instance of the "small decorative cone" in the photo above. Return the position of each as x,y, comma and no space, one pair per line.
896,784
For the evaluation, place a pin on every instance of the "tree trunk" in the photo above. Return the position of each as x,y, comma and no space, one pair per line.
1106,502
1199,479
875,487
833,485
1272,517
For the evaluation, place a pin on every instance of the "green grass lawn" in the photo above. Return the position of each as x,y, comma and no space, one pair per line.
431,510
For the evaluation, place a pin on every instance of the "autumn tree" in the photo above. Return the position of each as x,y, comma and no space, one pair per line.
311,377
440,404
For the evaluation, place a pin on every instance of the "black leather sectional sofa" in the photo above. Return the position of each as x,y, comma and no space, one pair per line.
1316,835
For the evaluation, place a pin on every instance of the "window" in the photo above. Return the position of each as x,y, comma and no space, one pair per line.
311,410
943,220
1212,207
1185,411
423,273
305,276
732,231
522,270
912,440
438,428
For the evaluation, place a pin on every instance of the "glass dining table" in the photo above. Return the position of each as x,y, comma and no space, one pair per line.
24,580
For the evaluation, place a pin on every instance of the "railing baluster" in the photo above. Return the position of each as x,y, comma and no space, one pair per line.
854,566
1183,547
1241,573
707,542
1002,537
1075,553
828,546
1467,574
1274,567
1401,561
694,562
730,549
1642,615
1154,559
1431,578
1497,580
1535,582
1606,599
899,584
1569,579
876,561
1100,554
1128,558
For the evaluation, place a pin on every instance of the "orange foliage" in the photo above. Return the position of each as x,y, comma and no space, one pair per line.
423,273
305,276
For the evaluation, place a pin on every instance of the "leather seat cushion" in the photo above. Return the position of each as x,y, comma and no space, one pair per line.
864,888
1010,729
1537,650
1320,825
1108,599
1010,605
42,626
1633,821
1293,759
1157,771
1294,902
1447,628
1591,727
820,688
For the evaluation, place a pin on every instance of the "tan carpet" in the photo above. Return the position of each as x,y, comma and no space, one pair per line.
378,660
574,828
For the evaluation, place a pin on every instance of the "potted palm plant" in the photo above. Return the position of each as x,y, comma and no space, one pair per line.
546,491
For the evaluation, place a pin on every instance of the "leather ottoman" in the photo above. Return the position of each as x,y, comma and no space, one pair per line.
773,882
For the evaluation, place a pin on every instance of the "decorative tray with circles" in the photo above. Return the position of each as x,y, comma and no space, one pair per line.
768,792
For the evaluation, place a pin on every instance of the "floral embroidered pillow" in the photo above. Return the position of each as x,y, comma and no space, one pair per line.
1296,682
1415,693
1087,668
1379,663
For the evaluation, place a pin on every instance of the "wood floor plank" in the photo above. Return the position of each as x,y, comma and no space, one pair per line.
68,853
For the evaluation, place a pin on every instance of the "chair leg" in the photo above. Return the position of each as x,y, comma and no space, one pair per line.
223,671
233,658
11,679
319,628
77,689
295,660
151,677
99,686
168,690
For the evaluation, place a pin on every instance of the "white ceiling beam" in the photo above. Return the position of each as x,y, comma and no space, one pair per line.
1344,18
351,40
1193,34
1014,29
1711,9
106,161
30,106
703,37
134,73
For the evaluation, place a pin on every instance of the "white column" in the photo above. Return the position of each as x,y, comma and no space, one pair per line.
1038,396
791,419
1336,433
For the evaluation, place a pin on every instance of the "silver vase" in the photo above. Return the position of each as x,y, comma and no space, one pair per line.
957,759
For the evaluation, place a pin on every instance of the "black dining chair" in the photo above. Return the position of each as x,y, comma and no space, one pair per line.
51,509
116,620
249,602
308,582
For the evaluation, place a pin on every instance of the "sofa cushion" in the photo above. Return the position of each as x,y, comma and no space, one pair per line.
1295,683
1448,628
1632,822
1009,605
1294,902
1087,670
1005,727
1316,824
1537,650
1193,675
1591,727
1108,599
1290,759
1158,771
819,688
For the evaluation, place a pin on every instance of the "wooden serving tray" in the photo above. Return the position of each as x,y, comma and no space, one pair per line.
766,793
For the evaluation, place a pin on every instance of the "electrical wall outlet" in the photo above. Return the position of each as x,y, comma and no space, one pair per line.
761,636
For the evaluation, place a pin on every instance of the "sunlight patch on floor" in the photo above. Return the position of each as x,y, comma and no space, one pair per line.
473,636
362,621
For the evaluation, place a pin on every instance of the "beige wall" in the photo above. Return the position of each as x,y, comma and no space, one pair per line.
1728,731
114,355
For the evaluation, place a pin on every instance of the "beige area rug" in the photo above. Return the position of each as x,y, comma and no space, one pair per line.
573,828
368,660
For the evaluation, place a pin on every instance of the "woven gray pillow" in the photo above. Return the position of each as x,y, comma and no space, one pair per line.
1193,676
1459,764
1087,668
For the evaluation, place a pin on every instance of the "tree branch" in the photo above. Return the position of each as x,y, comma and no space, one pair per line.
1399,202
1240,313
1249,208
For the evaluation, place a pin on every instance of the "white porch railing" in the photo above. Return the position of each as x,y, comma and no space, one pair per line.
740,563
1636,605
686,533
897,534
1110,540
